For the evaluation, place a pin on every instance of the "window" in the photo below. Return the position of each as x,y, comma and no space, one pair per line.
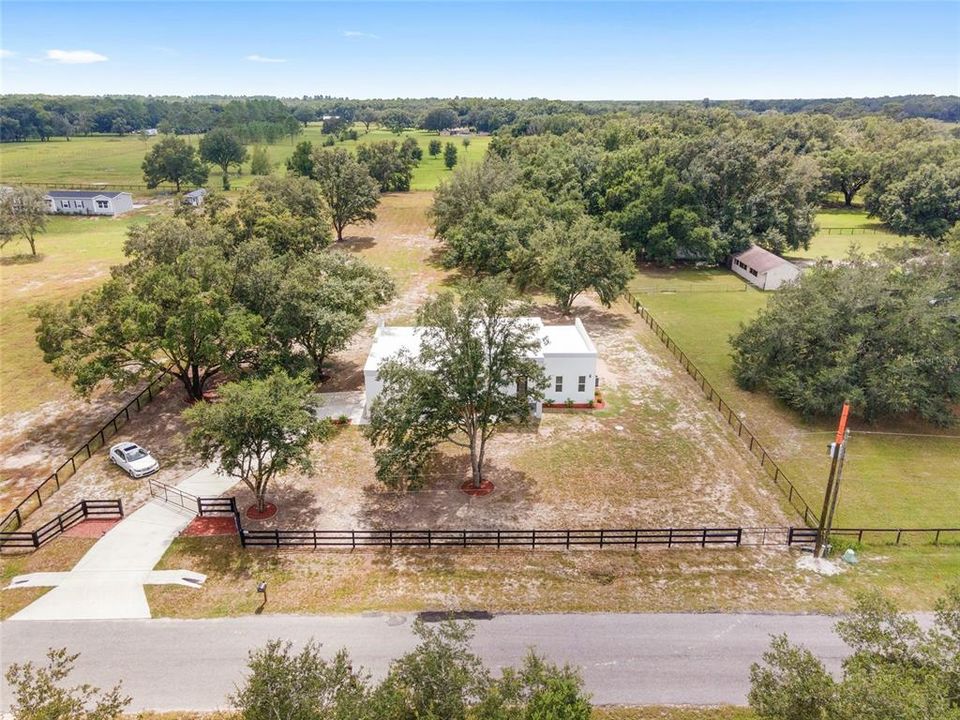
103,204
558,385
582,383
753,272
78,203
65,203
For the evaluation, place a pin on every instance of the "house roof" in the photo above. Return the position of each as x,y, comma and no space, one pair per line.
760,260
83,194
199,192
557,340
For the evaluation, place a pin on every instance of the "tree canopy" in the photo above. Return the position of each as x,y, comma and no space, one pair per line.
350,192
389,163
898,670
257,430
23,213
223,148
880,332
461,387
172,159
440,678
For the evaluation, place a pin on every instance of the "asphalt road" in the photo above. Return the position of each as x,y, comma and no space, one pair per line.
625,659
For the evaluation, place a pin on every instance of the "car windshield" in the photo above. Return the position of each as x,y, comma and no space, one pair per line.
136,453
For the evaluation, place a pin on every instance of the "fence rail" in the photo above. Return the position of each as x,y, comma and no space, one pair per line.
16,517
105,509
532,539
139,187
772,469
174,496
853,231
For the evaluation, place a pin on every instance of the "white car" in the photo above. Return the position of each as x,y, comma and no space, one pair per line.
137,461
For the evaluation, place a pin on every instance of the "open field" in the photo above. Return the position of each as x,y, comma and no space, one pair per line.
111,159
841,228
653,580
898,481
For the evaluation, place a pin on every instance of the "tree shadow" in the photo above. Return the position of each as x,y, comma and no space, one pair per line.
21,259
355,243
297,508
440,504
342,374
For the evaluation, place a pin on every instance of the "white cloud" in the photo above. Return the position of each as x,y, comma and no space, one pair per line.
4,53
75,57
262,59
358,34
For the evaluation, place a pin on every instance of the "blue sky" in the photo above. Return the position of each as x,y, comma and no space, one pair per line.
569,50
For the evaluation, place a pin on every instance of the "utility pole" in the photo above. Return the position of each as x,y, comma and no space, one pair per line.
837,449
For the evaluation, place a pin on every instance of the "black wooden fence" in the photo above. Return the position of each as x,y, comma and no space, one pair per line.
97,509
723,407
529,539
15,518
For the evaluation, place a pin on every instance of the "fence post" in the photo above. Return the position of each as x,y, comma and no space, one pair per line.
740,536
314,538
533,539
936,538
353,539
898,536
670,537
39,499
464,537
568,538
36,539
276,534
636,537
601,538
56,479
703,539
120,506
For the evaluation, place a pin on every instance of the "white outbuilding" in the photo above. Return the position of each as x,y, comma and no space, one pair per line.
567,355
762,268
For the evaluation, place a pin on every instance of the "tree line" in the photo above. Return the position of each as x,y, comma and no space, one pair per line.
263,119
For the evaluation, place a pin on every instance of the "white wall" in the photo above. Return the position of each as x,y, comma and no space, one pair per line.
780,275
570,368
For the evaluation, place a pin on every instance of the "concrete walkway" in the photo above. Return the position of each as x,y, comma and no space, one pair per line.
108,581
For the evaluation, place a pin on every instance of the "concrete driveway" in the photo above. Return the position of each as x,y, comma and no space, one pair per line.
333,405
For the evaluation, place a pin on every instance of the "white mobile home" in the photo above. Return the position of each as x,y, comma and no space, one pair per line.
84,202
567,355
762,268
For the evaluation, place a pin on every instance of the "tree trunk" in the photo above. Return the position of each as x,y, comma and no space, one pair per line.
177,182
339,232
848,197
196,385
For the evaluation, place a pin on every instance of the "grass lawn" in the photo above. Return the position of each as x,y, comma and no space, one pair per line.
840,229
111,159
60,554
654,580
75,255
898,481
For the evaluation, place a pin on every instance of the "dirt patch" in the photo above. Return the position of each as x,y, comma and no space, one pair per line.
91,528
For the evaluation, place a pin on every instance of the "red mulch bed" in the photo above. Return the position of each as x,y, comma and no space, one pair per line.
207,526
486,487
91,528
269,511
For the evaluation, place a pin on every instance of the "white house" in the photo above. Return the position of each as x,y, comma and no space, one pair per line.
195,197
567,355
150,132
83,202
762,268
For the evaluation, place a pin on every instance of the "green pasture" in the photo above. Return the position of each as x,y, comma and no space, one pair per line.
75,254
111,159
889,480
839,229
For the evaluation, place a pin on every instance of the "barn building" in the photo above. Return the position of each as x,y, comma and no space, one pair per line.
763,269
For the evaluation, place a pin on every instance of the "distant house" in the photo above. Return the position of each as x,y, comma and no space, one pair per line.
195,197
762,268
150,132
88,202
567,355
